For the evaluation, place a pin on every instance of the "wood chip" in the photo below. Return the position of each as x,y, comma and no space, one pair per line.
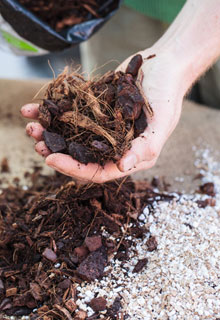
71,305
50,255
11,292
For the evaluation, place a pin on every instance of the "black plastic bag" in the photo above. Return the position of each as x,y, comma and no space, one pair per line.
35,31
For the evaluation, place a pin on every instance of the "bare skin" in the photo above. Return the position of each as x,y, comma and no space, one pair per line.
188,48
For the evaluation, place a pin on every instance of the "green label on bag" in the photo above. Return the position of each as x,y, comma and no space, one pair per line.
17,43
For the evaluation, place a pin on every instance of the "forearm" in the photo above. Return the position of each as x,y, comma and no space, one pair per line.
193,38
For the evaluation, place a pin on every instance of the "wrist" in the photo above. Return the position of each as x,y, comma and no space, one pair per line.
166,63
193,40
180,64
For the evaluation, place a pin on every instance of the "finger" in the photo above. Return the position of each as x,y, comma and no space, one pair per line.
30,111
90,172
148,145
111,171
42,149
70,167
35,130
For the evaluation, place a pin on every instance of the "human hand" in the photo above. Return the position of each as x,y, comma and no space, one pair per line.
64,163
161,88
185,51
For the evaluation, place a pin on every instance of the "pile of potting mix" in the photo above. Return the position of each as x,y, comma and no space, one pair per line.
56,236
61,14
121,250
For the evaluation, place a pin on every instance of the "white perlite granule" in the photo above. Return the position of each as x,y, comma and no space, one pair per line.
182,278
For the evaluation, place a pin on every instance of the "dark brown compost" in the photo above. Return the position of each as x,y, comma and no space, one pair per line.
51,239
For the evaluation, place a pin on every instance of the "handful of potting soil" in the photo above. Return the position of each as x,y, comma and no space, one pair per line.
94,121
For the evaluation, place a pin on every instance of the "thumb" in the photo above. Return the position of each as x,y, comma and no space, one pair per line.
146,147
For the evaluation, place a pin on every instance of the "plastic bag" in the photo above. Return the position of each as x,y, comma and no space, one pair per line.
26,34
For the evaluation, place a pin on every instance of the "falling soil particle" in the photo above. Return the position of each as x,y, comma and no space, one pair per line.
5,166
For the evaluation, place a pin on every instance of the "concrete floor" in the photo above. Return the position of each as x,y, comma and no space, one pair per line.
18,67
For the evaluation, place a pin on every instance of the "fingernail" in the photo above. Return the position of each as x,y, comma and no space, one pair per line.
29,129
129,162
25,108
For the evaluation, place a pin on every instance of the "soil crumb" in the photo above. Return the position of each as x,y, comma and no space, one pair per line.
5,166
